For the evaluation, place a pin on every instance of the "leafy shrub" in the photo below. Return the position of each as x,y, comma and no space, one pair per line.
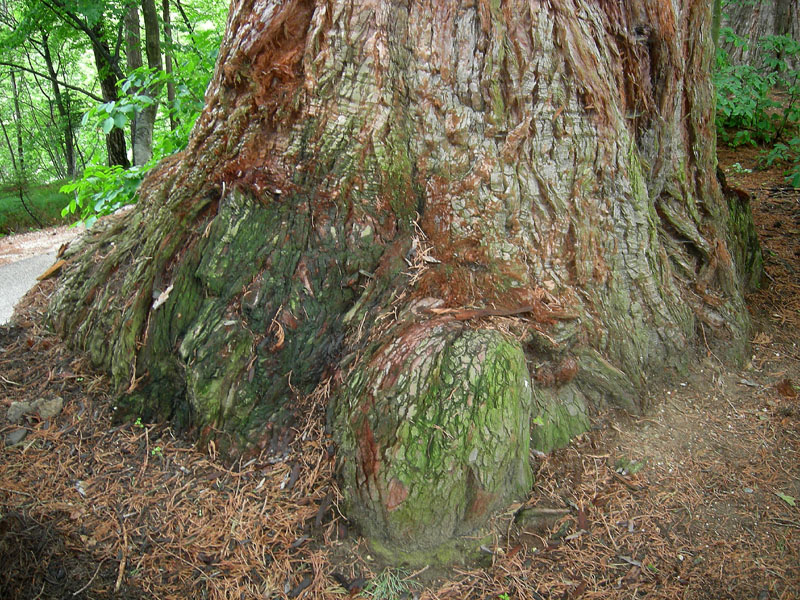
788,153
108,115
102,190
761,105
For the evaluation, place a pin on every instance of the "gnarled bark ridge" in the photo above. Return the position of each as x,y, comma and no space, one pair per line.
458,215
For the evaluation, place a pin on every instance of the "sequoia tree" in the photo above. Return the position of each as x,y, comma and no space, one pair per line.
472,224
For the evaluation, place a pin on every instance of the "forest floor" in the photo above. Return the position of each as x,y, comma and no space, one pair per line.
699,499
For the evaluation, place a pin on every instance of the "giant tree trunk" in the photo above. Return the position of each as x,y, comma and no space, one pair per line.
453,216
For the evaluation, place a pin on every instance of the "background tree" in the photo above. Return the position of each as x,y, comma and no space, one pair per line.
757,78
66,113
753,20
52,45
451,217
144,122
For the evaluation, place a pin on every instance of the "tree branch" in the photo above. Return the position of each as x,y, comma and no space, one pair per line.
185,18
59,8
58,81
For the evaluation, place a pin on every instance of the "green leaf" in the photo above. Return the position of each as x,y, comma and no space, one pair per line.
107,125
120,120
788,499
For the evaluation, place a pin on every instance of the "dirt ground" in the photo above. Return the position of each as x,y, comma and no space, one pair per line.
25,245
696,500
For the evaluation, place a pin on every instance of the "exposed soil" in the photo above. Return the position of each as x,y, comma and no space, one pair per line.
696,500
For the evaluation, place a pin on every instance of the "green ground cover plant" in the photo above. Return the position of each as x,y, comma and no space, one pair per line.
44,201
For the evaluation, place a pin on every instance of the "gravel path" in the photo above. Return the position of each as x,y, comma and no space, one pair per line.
23,258
25,245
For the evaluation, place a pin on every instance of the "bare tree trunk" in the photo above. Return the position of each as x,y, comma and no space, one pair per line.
18,118
515,215
173,121
11,152
145,121
786,18
756,20
18,160
63,109
133,57
108,76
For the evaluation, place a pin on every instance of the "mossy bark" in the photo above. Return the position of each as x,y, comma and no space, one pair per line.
435,428
453,216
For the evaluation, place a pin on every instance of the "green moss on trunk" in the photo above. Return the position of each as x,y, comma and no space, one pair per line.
531,160
432,445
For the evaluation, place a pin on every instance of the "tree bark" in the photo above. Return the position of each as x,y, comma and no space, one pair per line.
447,217
63,109
109,74
133,59
144,122
146,119
20,162
168,52
785,22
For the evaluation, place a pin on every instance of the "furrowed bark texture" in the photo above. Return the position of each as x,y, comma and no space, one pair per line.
453,216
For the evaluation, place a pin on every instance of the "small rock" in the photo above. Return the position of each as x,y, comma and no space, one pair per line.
48,409
15,437
17,410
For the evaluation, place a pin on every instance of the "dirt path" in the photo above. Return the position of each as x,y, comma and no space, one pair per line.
26,245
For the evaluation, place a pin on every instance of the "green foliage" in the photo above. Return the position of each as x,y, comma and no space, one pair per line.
752,104
761,105
625,466
102,190
45,201
788,153
108,115
738,168
50,38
